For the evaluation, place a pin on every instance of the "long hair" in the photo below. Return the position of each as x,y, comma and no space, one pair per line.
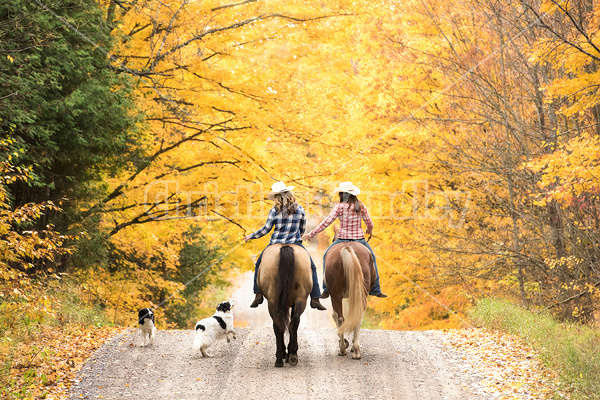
351,199
286,203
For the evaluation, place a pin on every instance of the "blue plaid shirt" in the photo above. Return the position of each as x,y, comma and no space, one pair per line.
287,230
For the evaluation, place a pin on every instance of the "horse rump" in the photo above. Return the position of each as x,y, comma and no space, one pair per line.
285,283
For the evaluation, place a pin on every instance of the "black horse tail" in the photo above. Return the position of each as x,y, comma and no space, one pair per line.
285,284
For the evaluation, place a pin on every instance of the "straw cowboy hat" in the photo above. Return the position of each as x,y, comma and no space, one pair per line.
279,187
348,187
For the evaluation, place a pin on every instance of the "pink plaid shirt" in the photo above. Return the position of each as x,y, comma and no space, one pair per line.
350,222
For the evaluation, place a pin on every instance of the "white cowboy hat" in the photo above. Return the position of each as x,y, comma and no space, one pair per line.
279,187
348,187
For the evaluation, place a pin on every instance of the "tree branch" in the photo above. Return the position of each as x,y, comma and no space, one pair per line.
233,5
571,298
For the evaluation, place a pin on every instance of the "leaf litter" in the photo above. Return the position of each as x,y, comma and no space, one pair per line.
47,368
509,369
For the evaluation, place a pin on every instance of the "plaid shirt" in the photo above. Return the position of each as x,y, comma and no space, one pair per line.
287,230
350,222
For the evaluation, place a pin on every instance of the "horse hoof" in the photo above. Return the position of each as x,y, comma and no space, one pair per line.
342,353
279,363
293,359
346,342
356,356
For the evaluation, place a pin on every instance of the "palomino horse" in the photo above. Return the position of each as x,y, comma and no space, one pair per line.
285,280
349,273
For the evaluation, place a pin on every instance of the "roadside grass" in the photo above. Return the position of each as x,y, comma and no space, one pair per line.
49,326
39,321
571,349
371,320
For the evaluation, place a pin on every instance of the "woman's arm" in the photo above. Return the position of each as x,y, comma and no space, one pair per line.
302,221
265,229
324,224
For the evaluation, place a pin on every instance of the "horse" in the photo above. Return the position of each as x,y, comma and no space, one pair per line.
349,273
285,280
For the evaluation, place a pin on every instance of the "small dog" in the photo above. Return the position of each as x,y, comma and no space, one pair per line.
147,328
211,329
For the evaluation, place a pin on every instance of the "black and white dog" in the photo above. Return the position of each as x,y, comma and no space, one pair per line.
211,329
147,328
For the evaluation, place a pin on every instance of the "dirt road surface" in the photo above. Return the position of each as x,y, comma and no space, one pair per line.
395,364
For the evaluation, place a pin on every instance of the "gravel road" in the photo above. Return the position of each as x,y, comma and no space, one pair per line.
394,364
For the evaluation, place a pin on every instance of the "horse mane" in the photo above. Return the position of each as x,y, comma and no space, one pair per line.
285,282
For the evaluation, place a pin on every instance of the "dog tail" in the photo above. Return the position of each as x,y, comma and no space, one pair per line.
285,283
199,338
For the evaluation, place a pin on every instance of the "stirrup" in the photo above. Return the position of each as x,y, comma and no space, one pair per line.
325,294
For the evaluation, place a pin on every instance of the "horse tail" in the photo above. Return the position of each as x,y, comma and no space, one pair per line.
357,294
285,284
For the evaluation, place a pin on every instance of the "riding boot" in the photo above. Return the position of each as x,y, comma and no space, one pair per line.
257,300
315,303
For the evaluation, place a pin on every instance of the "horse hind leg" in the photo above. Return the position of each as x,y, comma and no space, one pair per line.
343,342
280,355
356,343
292,355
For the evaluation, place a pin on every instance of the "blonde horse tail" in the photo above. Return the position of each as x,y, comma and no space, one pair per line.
285,283
357,295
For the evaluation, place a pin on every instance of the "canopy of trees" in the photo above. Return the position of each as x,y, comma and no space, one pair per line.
139,138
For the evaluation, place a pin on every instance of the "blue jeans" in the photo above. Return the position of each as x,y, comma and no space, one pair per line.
314,294
376,289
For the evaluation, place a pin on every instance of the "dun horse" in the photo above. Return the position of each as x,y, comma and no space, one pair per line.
285,280
349,273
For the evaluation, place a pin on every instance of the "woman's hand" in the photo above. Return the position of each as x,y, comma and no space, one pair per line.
246,238
305,238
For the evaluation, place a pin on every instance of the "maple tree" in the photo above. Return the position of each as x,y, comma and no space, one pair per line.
483,115
212,79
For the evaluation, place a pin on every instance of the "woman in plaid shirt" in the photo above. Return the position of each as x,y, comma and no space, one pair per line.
351,213
289,220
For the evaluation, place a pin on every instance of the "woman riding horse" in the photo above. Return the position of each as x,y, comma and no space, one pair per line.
350,212
289,221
